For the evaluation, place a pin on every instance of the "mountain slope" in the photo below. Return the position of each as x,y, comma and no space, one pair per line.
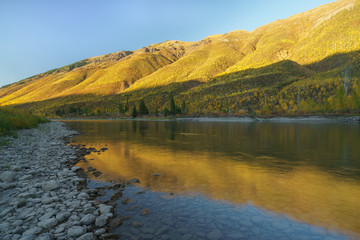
260,70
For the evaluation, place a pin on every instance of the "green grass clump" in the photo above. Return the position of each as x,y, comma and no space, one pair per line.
11,120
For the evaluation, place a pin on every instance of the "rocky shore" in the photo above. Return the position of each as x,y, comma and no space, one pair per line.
42,194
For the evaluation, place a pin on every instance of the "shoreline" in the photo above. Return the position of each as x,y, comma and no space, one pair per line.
42,194
275,119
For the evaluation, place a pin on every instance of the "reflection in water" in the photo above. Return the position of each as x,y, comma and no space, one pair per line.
307,171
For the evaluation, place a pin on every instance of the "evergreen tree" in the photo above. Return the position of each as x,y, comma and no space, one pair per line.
121,108
142,108
166,111
126,109
134,112
183,107
172,106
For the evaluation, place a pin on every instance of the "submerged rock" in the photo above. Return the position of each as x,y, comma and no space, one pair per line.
145,211
214,234
132,181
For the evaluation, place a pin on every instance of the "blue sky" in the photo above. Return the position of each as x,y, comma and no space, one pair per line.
40,35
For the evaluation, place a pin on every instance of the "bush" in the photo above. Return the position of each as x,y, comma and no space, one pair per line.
11,119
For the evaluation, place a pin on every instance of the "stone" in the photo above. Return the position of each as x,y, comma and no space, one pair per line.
91,169
6,212
6,186
117,186
60,229
4,226
89,210
21,203
145,211
125,201
63,216
147,236
133,180
83,195
50,185
109,236
47,215
7,176
76,231
88,219
75,169
48,223
147,230
45,236
32,231
105,208
214,234
18,222
101,221
100,231
137,224
116,196
87,236
115,222
28,237
47,200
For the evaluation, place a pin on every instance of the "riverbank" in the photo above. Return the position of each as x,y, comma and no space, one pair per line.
310,118
42,196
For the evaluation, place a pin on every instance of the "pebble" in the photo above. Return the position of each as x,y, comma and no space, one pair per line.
41,197
214,234
75,231
101,221
88,219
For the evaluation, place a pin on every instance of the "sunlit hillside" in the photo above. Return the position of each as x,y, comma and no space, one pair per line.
308,63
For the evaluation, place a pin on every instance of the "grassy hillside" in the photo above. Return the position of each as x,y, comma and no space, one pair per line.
308,63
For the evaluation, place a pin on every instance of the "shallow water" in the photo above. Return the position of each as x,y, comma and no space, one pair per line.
231,180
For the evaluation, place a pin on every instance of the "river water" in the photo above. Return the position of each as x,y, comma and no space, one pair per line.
230,180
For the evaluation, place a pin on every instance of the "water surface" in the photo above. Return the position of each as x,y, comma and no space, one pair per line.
241,180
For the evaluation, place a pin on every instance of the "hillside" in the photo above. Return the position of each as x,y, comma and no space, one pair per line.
308,63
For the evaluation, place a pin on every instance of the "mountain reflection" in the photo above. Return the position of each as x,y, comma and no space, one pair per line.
308,171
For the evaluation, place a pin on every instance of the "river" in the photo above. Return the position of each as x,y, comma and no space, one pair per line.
230,180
